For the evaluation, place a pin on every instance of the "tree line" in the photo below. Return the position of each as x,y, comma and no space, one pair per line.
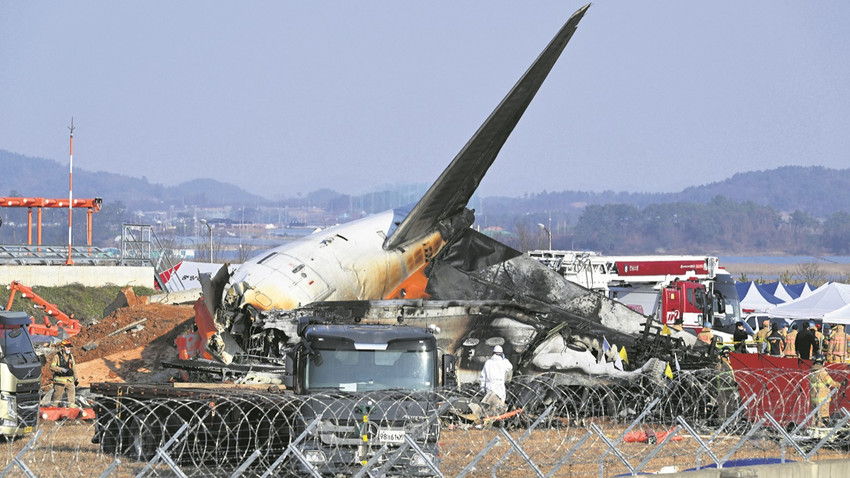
718,226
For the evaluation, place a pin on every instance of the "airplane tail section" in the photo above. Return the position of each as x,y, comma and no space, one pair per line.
449,195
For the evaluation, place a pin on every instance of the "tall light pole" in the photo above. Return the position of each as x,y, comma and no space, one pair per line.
204,222
548,233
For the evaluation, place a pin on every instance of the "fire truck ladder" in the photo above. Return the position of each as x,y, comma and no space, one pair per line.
140,246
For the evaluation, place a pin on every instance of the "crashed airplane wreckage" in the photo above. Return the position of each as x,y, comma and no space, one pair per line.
314,315
543,322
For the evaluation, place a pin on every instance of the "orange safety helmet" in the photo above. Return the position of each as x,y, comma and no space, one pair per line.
65,343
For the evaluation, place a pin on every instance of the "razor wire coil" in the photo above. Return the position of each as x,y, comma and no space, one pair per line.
551,424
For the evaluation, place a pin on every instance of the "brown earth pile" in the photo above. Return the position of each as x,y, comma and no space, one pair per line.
130,356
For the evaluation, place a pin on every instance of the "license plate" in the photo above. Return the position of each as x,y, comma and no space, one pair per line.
391,436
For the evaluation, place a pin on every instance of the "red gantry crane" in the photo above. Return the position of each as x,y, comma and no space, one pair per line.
93,206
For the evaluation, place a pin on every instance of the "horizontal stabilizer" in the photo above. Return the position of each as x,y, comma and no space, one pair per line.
450,194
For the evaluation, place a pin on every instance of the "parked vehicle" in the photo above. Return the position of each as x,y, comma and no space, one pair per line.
20,376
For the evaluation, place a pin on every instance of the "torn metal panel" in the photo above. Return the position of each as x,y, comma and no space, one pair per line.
534,339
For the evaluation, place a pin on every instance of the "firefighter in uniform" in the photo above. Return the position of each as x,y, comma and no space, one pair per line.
819,384
727,389
790,346
775,341
761,336
837,345
818,338
64,379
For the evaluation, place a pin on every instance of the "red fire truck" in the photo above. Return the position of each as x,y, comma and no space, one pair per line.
684,290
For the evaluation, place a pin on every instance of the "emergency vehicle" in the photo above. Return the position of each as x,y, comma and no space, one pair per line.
683,290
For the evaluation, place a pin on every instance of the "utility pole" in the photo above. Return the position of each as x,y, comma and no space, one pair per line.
70,261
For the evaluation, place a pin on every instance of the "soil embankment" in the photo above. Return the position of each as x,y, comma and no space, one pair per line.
133,355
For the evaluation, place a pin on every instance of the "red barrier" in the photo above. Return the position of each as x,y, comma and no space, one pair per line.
781,387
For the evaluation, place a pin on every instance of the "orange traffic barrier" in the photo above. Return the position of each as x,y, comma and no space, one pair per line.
60,413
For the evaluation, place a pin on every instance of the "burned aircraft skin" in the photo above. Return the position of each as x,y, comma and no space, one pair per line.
534,339
368,258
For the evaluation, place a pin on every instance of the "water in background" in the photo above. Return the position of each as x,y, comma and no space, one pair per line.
783,259
790,261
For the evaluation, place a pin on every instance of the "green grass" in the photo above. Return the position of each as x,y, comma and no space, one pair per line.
86,303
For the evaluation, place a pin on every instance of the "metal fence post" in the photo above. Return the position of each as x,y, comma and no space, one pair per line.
17,461
471,466
568,455
701,443
611,447
312,426
109,469
244,466
161,454
404,446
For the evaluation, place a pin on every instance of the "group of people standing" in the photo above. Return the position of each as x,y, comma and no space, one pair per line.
806,341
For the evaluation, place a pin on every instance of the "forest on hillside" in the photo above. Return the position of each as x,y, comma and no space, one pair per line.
788,210
721,226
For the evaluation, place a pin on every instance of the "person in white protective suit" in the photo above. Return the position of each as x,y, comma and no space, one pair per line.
494,374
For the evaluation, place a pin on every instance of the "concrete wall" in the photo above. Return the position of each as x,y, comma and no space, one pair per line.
812,469
92,276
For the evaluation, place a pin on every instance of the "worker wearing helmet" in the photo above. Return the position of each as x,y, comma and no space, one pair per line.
837,345
64,379
819,384
775,341
761,336
495,374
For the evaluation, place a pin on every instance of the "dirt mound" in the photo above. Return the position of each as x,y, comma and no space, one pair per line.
131,355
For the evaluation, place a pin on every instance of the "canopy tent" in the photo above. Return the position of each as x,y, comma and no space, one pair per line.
780,291
824,300
757,299
742,288
801,289
838,316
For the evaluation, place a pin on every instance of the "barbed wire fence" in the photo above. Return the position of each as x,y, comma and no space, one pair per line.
565,428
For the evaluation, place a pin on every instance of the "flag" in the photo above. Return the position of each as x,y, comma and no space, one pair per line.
665,330
677,361
605,348
618,361
623,355
669,371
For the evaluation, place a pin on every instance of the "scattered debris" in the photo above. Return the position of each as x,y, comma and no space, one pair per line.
119,357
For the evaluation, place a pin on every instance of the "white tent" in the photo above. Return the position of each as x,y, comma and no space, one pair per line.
838,316
757,299
778,290
823,300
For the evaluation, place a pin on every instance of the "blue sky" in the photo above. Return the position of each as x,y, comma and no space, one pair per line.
288,97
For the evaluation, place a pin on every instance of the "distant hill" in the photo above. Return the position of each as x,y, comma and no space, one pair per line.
38,177
814,190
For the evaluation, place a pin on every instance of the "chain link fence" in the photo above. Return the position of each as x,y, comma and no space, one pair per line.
551,425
